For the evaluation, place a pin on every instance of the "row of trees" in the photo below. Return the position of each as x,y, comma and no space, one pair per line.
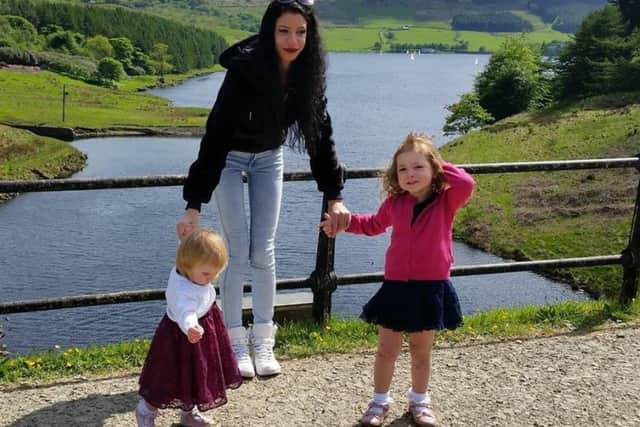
189,47
491,22
461,46
604,57
96,59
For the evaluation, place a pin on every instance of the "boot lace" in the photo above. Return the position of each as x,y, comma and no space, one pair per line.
241,351
263,352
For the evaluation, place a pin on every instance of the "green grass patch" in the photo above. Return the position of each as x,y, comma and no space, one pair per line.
36,98
344,39
302,339
24,155
362,38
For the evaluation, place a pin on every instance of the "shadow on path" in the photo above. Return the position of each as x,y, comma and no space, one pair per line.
91,410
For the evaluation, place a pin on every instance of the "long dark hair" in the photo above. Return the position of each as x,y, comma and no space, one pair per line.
306,107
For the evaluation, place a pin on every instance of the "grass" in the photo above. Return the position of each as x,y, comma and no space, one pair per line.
24,155
302,339
362,38
36,98
555,214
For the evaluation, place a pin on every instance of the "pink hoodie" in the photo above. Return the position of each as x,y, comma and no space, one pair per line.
422,251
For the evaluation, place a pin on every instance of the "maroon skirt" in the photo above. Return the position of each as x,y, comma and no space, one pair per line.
178,374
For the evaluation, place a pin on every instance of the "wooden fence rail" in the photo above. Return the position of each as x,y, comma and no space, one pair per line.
323,281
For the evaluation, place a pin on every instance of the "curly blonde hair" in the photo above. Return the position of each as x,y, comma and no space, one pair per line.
202,247
420,143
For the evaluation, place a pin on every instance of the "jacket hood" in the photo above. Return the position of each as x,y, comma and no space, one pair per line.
243,51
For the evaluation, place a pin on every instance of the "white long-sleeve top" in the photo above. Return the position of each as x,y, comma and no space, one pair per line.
187,301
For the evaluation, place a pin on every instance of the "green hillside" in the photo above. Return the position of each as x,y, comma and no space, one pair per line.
556,214
363,25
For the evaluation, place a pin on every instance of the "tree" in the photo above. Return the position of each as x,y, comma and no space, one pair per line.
466,114
122,48
630,10
18,31
160,56
66,41
110,69
598,41
508,83
98,47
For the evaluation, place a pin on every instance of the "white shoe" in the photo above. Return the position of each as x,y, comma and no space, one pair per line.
239,343
194,418
144,416
262,340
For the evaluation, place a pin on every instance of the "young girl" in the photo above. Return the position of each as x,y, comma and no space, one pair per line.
423,194
190,363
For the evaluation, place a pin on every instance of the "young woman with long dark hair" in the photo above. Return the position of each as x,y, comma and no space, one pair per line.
273,95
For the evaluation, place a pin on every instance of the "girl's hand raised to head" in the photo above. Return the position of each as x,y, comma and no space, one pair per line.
195,334
190,221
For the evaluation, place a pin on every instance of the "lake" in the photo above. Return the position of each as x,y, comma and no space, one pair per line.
80,242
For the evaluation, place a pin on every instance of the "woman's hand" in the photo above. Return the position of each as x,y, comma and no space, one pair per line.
195,334
190,221
340,217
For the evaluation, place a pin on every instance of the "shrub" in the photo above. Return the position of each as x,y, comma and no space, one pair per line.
17,56
110,69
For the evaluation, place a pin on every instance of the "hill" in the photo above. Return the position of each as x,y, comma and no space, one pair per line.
556,214
362,25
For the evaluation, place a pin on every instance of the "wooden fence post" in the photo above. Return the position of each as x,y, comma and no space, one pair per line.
631,256
323,280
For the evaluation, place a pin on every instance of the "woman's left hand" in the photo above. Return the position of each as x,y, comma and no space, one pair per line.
340,217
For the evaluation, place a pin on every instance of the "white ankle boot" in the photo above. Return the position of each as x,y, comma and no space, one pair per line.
239,343
262,340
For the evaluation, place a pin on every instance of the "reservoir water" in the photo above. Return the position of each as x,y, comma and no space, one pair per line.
80,242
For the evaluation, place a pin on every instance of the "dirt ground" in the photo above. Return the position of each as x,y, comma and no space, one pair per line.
567,380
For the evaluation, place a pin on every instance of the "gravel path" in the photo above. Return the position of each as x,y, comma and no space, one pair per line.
566,380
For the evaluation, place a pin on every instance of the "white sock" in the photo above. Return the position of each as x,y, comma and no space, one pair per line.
417,397
144,409
382,398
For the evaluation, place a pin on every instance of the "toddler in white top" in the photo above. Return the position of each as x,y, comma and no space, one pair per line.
190,363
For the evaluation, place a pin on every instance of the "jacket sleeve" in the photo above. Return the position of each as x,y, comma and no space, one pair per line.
204,173
372,224
325,167
460,187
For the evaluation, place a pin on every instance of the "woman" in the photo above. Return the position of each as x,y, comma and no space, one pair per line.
273,92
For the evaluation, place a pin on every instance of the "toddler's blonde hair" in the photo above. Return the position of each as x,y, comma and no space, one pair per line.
202,247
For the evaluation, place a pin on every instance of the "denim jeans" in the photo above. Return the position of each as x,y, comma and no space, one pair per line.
251,244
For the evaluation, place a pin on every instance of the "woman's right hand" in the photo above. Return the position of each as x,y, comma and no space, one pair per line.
190,221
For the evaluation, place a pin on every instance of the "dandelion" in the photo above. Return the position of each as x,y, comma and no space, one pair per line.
57,346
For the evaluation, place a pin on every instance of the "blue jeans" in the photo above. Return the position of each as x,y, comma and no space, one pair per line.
251,245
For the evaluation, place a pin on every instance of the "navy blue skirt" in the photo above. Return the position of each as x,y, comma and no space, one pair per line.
414,306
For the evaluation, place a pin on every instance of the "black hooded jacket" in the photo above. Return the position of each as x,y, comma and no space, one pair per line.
244,118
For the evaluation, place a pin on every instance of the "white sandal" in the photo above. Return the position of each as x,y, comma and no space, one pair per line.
422,414
375,414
